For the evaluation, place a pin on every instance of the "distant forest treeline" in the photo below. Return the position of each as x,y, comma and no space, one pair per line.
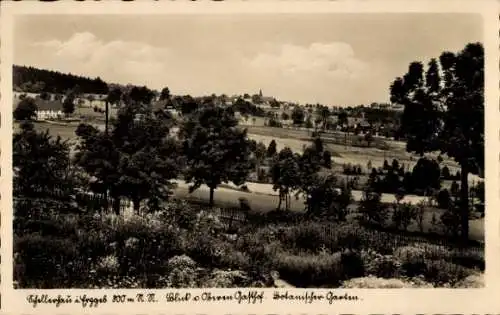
33,80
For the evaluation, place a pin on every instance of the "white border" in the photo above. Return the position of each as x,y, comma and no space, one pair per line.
374,301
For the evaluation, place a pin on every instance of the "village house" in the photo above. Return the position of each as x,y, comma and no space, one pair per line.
49,110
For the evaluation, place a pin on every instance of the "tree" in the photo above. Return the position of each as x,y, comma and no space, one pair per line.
137,160
343,121
69,104
260,153
445,172
395,165
141,95
324,113
285,116
114,96
187,104
426,175
318,144
372,209
368,138
271,149
309,123
41,163
26,109
327,159
285,173
298,116
165,94
90,98
216,150
447,113
45,96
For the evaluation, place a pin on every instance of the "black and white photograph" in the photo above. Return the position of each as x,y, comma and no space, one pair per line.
334,150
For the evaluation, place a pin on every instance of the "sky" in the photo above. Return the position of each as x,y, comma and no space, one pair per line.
334,59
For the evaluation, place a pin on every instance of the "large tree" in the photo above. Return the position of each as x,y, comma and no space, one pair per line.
286,175
137,160
298,115
216,150
26,109
165,94
444,110
41,163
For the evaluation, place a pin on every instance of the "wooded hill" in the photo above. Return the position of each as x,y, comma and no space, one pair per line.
33,80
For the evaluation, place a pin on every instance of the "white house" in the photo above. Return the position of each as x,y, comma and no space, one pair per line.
48,110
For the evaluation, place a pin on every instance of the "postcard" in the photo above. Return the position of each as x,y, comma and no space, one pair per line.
258,157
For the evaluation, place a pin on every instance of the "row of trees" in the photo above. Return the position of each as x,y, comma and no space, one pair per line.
33,80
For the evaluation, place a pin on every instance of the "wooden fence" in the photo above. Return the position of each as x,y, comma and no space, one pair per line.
87,201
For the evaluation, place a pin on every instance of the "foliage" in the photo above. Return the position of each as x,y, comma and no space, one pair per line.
137,160
298,116
271,149
165,94
215,149
41,164
444,110
403,215
26,109
372,282
372,209
384,266
54,81
286,175
327,159
305,270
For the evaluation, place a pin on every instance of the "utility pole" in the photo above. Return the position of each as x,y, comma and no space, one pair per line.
107,117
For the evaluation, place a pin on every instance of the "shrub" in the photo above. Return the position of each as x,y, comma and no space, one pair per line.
443,199
372,282
352,264
444,273
372,209
59,264
403,215
226,279
182,272
305,270
384,266
472,281
412,260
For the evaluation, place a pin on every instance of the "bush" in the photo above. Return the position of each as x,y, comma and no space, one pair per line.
403,215
371,282
472,281
182,272
306,270
59,264
372,209
26,109
443,273
412,260
384,266
443,199
226,279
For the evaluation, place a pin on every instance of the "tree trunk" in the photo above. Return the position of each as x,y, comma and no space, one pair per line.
116,205
280,200
211,202
137,204
464,203
107,117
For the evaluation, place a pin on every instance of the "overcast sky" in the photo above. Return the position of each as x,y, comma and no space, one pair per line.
333,59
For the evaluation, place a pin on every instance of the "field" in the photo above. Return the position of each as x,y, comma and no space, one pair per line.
297,139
